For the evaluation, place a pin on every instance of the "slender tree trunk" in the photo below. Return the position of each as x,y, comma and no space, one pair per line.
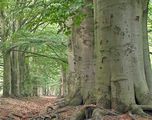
6,58
63,82
23,71
15,63
15,74
147,63
26,82
7,75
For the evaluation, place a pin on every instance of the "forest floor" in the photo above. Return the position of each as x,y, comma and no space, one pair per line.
39,108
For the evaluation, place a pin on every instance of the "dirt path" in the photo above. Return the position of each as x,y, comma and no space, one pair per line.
30,108
24,108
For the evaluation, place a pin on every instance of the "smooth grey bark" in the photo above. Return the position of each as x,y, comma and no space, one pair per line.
87,54
120,64
74,69
82,53
123,73
141,87
102,71
73,97
147,63
119,47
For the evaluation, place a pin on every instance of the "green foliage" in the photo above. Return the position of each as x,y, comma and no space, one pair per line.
150,22
41,12
41,36
41,33
3,4
45,54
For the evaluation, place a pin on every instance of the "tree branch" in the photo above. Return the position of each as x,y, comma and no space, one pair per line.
37,54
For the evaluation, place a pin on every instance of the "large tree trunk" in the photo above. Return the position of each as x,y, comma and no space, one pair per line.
120,70
74,73
86,57
102,72
82,50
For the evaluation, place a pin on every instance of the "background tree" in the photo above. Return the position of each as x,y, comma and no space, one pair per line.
22,63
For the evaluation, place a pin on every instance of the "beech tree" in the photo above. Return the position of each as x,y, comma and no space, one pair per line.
81,57
122,64
108,54
32,45
122,51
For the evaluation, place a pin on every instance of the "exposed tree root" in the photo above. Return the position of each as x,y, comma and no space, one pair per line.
65,102
95,112
132,115
76,101
92,112
80,115
137,109
98,114
145,107
61,103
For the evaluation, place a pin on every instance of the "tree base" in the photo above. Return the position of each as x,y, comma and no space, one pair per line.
97,113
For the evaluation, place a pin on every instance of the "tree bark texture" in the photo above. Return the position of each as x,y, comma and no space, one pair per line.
122,63
82,51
